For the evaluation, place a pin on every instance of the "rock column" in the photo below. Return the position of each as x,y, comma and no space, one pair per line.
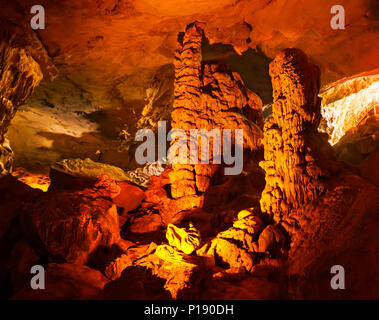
296,157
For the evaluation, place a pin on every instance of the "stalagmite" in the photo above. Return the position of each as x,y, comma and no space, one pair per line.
297,157
207,96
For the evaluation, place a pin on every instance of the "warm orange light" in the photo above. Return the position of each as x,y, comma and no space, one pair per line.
33,180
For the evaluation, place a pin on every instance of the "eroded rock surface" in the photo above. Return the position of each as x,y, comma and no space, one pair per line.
19,75
297,157
66,282
70,225
207,96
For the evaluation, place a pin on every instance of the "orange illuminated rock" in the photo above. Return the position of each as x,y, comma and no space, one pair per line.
114,269
19,75
66,282
130,196
347,102
183,273
236,245
271,236
298,159
185,240
71,225
207,96
34,180
144,222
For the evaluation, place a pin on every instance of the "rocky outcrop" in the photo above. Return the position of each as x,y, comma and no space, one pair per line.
66,282
185,240
80,173
71,225
348,102
297,157
183,273
6,157
237,246
207,96
19,75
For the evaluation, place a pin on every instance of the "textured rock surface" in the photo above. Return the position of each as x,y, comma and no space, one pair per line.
66,282
208,97
236,246
183,273
297,158
185,240
19,75
349,101
106,69
71,225
79,173
338,229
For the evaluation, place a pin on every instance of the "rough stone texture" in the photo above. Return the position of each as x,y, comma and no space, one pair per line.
12,194
185,240
340,228
70,225
79,173
207,96
359,142
271,236
106,68
6,157
19,75
297,158
348,102
235,246
115,268
136,283
66,282
182,272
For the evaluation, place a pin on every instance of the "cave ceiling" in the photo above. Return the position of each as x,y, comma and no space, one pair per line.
107,52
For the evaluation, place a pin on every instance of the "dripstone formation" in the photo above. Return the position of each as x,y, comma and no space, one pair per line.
207,96
19,75
297,157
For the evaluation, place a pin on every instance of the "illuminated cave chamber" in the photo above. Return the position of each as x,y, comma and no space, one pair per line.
106,228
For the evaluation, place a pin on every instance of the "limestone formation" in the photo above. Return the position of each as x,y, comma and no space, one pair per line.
182,273
236,246
70,225
297,157
66,282
207,96
185,240
347,102
19,75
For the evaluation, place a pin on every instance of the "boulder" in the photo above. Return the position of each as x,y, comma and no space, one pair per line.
136,283
271,236
130,196
69,224
79,173
66,282
183,273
